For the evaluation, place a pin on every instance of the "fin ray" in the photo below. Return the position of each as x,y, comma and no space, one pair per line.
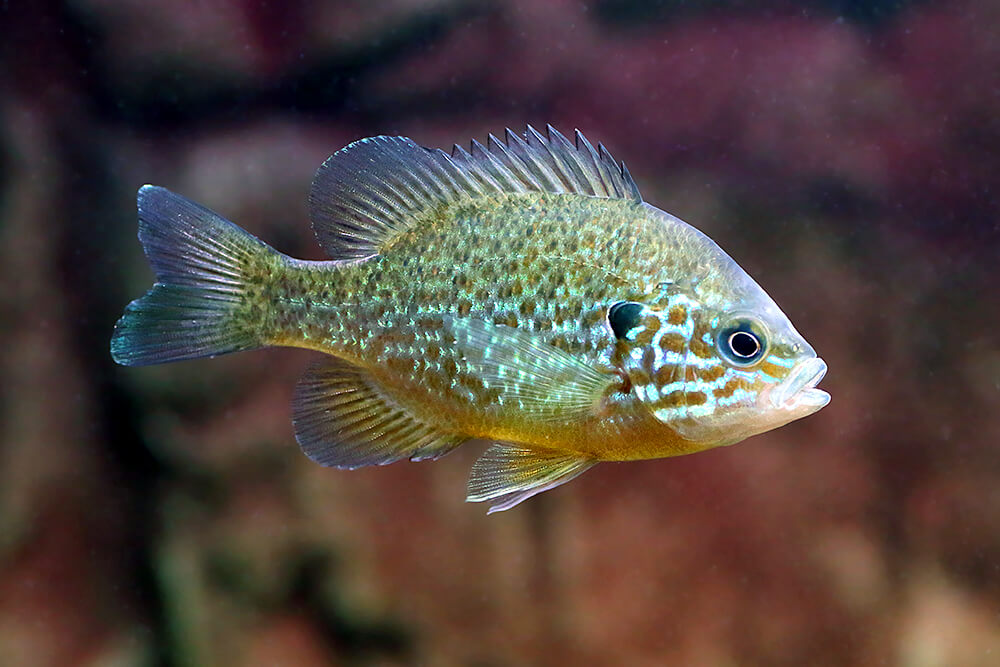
200,260
540,379
374,188
368,428
509,474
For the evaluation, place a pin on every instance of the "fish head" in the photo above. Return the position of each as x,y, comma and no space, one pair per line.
717,370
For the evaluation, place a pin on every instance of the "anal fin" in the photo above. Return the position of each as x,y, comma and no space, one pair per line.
345,418
509,474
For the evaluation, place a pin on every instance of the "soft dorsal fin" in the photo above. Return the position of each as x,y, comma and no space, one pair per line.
369,190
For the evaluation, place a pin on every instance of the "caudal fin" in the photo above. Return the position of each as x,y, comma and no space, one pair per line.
197,307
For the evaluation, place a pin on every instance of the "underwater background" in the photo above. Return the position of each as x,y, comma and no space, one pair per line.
846,154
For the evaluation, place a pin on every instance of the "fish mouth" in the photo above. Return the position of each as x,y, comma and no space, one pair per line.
798,390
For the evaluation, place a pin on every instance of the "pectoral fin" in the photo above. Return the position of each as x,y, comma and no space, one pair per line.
508,474
536,379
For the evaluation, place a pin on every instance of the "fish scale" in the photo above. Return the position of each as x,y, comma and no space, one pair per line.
563,292
477,295
555,285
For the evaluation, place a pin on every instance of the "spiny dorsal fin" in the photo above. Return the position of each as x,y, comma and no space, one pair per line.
509,474
343,417
366,192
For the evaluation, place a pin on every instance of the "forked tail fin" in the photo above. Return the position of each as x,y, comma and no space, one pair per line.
198,306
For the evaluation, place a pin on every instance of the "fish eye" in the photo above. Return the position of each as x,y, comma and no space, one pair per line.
742,342
623,317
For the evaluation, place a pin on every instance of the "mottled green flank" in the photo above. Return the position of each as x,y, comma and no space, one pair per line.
469,297
514,260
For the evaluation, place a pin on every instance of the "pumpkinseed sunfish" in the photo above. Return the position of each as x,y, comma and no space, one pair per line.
521,292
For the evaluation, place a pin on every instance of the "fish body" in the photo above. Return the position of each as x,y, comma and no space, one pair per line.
521,293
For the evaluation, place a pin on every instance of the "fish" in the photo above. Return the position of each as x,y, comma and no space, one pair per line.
520,292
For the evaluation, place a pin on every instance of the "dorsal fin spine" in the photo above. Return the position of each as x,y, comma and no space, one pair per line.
513,163
543,149
601,169
603,159
557,146
632,188
468,180
603,186
457,178
536,142
376,187
543,175
573,171
499,174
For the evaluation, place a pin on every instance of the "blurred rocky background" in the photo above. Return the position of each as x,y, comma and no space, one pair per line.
846,153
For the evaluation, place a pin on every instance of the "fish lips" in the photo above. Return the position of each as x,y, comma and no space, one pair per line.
798,391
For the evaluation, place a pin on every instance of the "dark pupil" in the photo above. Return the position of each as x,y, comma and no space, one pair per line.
744,344
623,317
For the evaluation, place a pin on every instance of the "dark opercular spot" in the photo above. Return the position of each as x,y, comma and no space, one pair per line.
623,317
